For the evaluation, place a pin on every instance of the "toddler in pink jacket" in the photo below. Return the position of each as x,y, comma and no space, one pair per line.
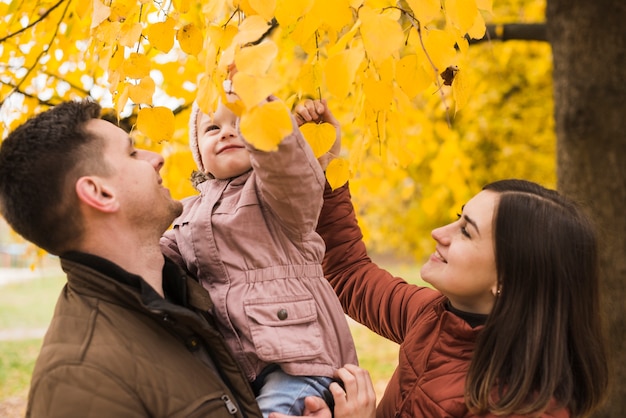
249,237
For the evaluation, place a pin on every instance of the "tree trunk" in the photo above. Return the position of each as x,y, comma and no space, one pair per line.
588,41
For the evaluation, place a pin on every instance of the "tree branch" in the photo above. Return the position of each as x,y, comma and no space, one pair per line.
514,32
33,23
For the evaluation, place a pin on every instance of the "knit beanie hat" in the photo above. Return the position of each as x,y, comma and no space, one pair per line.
193,136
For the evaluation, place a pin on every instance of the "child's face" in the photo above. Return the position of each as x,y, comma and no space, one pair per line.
222,150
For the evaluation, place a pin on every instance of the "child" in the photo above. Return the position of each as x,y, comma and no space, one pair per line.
249,237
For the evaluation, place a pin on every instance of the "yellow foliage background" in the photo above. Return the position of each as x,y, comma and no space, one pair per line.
414,149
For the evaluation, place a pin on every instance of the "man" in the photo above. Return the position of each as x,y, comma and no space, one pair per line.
130,336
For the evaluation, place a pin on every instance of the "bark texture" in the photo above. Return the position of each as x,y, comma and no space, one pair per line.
588,41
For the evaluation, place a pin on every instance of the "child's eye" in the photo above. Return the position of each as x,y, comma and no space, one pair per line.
464,232
212,128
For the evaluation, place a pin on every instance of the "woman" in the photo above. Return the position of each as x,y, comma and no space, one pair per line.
513,327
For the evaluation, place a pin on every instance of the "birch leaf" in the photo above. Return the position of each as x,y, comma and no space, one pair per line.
254,89
265,8
289,11
411,76
459,90
337,172
142,92
425,10
462,13
256,60
157,123
137,66
265,126
100,13
382,36
161,35
341,70
320,136
190,39
251,30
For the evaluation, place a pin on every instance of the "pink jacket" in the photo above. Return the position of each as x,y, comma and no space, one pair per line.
436,345
251,242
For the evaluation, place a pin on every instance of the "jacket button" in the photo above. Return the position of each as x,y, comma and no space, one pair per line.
282,314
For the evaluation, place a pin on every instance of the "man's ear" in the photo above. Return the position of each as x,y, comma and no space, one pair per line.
92,191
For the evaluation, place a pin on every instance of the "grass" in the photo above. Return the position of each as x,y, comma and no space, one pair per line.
30,305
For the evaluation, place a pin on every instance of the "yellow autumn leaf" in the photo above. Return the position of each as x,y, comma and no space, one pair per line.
341,15
142,92
161,35
486,5
382,35
182,6
107,32
243,5
340,71
130,34
342,43
254,89
251,29
309,79
207,94
255,60
440,47
157,123
337,172
425,10
478,29
462,13
221,36
459,90
120,97
289,11
190,39
265,8
411,76
137,66
378,94
320,136
83,8
100,13
265,126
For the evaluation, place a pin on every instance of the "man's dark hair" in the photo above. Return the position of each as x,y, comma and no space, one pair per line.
40,162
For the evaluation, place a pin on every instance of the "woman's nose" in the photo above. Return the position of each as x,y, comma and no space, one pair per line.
441,234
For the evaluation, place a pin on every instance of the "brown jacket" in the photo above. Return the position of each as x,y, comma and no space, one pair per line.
115,348
436,345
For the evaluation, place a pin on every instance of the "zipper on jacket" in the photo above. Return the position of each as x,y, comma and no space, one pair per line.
232,409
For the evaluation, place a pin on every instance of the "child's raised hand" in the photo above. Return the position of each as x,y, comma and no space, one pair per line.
317,111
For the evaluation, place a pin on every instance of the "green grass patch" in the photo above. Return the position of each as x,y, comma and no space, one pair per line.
29,304
17,359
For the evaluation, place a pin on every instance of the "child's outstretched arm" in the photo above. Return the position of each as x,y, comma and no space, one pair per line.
317,111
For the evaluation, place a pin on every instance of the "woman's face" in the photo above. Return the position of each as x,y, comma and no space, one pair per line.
463,266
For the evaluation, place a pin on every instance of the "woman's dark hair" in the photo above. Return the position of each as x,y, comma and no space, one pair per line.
39,164
543,339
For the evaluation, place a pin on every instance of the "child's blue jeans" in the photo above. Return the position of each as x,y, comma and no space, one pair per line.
281,392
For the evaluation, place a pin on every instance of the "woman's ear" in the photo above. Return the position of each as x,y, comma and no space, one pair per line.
496,290
93,192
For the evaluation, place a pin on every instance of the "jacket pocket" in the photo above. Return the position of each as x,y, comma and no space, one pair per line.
284,330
